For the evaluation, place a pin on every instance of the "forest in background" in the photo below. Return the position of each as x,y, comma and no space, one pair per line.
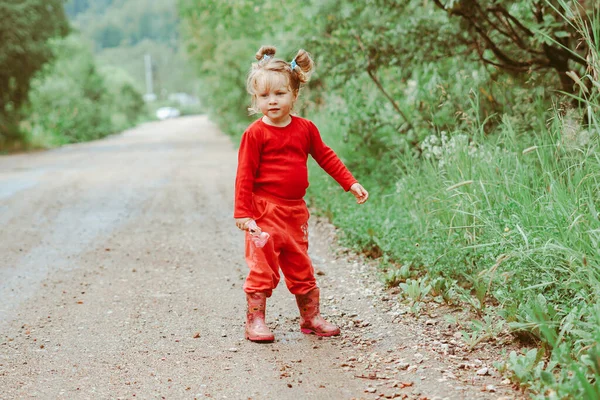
122,32
75,70
473,123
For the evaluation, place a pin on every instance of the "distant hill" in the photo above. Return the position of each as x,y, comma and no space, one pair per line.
122,32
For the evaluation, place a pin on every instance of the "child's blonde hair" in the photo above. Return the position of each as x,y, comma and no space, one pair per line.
269,70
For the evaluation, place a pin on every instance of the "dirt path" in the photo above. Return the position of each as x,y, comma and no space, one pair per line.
121,275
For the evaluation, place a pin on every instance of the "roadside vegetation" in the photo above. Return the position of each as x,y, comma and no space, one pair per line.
73,100
474,125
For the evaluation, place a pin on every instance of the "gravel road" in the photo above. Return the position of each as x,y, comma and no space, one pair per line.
121,277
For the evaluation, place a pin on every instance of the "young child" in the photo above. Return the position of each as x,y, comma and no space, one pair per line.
271,181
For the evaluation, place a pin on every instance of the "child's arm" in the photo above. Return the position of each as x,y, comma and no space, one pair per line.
359,192
259,238
248,159
331,163
248,224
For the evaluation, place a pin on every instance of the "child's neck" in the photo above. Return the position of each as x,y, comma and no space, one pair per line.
284,122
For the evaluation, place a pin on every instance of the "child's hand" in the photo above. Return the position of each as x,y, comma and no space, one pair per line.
359,192
242,223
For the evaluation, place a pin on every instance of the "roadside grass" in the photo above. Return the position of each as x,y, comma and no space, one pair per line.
509,219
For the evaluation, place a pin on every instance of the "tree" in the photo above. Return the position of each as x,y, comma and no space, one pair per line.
26,27
531,44
520,36
383,38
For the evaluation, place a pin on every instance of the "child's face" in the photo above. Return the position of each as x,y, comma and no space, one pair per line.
275,99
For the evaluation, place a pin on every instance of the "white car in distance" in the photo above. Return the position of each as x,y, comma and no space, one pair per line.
167,112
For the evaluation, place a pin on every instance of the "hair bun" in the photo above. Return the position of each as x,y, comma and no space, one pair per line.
265,50
306,64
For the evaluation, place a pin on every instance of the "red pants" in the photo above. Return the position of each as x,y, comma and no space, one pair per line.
287,248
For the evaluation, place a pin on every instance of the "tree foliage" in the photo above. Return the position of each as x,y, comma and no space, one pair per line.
443,46
26,27
117,23
517,42
516,36
520,36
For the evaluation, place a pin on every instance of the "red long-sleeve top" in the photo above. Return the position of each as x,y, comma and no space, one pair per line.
273,160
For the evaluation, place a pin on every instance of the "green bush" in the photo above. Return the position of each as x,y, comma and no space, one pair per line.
71,101
24,49
126,105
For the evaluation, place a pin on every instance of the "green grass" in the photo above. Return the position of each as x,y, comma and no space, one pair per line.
511,218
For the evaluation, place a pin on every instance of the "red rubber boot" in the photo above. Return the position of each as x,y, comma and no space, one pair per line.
256,328
311,320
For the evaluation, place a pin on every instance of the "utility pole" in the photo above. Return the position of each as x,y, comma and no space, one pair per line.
149,96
